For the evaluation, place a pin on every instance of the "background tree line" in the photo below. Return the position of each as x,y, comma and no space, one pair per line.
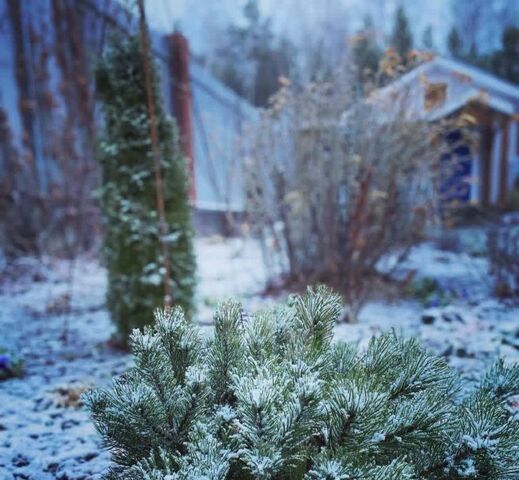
251,54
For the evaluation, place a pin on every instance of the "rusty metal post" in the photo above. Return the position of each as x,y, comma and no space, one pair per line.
182,100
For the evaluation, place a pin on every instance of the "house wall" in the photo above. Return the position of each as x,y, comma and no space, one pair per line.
494,180
512,159
219,120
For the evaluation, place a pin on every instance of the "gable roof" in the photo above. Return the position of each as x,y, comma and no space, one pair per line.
465,84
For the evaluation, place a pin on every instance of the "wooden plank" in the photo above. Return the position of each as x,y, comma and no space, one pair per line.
487,143
503,164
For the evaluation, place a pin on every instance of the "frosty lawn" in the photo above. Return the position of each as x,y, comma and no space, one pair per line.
44,438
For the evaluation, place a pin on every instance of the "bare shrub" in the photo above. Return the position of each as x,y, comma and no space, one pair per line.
339,180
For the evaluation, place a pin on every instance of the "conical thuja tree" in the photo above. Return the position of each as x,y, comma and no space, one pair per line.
132,235
271,397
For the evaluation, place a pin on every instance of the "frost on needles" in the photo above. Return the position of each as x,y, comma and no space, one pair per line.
271,397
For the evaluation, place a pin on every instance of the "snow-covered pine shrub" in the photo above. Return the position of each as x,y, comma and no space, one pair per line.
132,248
271,397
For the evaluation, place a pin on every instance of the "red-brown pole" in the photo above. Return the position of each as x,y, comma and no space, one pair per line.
182,100
159,184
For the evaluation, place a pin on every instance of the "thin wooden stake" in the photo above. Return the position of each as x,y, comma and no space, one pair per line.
159,184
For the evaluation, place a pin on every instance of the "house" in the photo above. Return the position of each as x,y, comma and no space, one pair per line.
443,88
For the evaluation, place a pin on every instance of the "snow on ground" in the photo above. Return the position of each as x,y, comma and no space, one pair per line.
40,438
229,269
459,273
44,432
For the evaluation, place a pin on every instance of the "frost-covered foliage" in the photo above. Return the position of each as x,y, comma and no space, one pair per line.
271,397
128,195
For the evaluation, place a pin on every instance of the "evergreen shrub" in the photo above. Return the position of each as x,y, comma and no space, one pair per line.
272,397
132,244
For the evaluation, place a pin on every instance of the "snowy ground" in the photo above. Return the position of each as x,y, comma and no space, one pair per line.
44,432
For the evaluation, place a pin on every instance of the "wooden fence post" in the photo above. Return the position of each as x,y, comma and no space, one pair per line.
182,100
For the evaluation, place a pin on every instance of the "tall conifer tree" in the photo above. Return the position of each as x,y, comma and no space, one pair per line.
401,38
132,239
366,52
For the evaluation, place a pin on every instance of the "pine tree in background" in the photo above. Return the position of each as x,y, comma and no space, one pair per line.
252,58
132,248
271,397
505,62
366,52
455,43
402,38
